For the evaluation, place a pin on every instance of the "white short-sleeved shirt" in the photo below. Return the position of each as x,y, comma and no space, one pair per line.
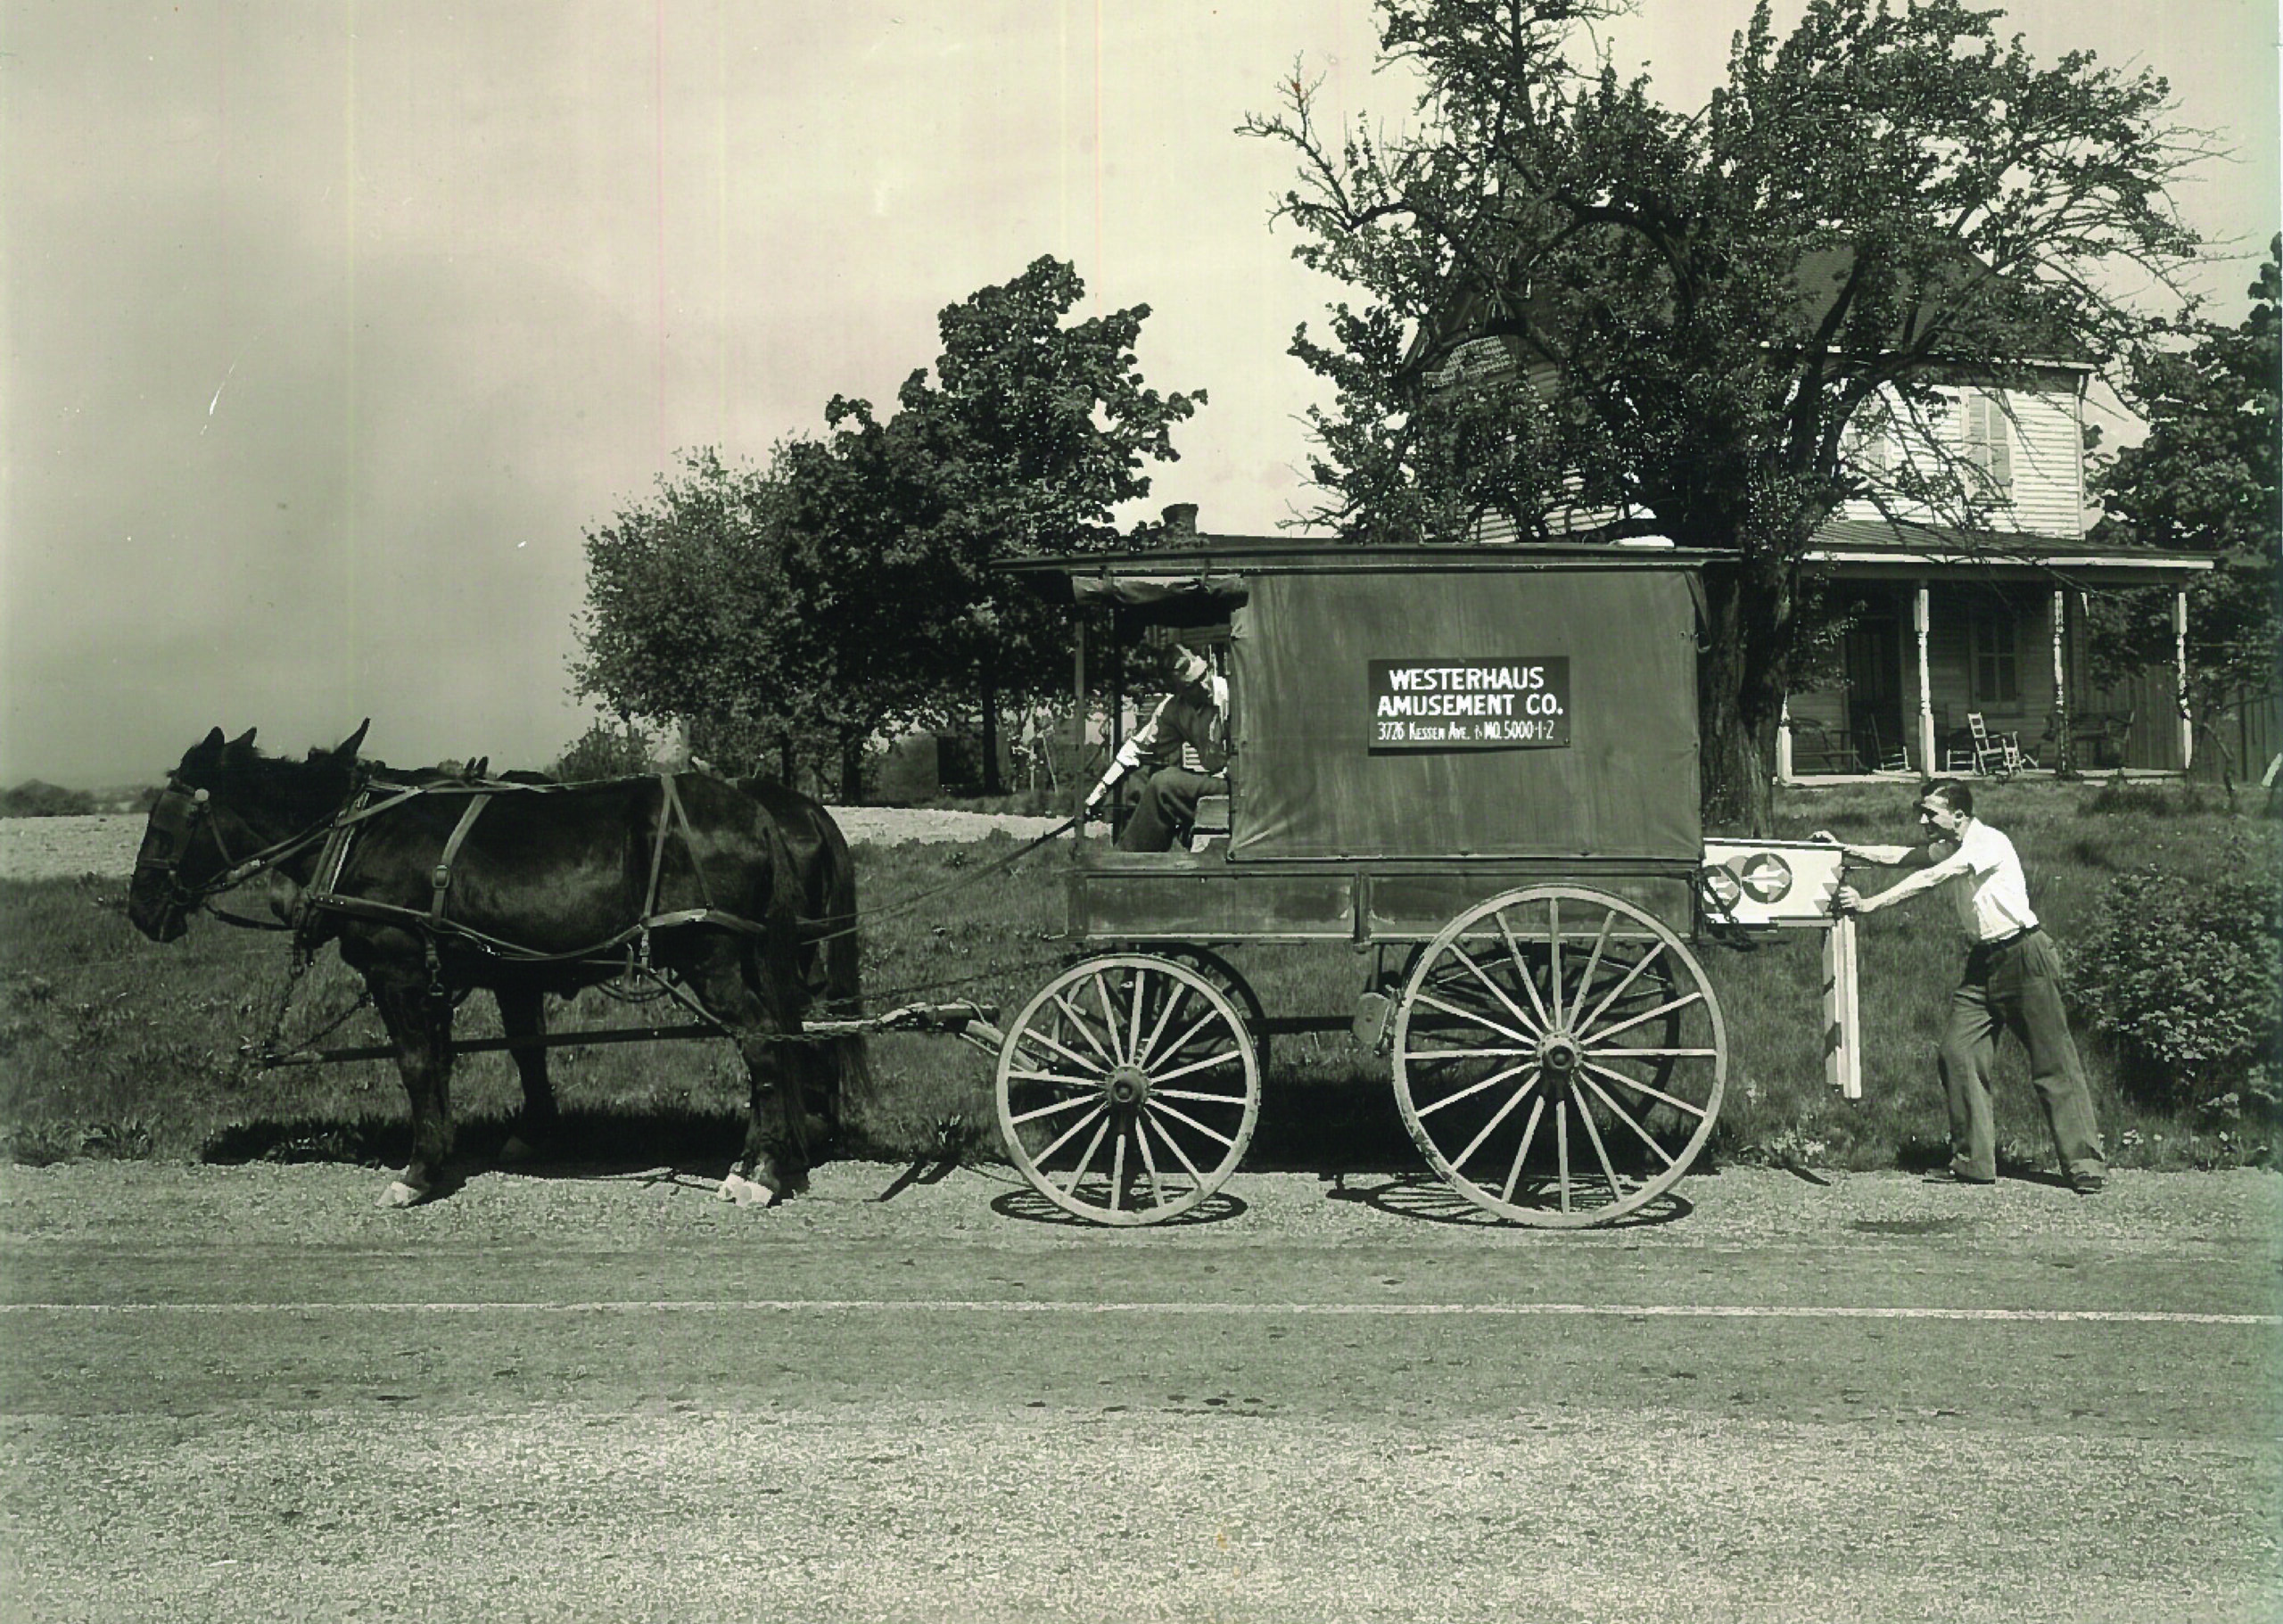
1992,897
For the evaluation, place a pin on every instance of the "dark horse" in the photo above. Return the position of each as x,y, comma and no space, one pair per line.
432,888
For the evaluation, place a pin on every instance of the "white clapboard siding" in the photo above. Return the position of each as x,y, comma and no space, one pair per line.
2030,438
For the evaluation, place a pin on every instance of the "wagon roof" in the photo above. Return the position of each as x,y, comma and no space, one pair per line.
1216,570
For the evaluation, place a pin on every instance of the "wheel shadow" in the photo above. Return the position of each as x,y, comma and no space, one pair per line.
1421,1198
1028,1207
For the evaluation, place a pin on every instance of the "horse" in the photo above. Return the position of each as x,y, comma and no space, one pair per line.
429,890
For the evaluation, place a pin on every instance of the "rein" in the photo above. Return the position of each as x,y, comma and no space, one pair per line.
964,880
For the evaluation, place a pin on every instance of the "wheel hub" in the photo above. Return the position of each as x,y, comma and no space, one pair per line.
1127,1086
1559,1053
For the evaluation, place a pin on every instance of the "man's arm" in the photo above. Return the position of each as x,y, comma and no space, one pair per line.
1883,856
1946,861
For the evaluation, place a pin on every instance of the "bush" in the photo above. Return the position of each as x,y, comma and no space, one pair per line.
604,752
2182,976
33,799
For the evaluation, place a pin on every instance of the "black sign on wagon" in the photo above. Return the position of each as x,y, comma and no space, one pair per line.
1504,704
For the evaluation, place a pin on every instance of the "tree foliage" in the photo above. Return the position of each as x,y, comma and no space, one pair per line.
1693,310
846,588
2206,479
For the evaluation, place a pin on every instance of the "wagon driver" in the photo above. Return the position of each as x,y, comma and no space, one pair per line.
2012,979
1191,725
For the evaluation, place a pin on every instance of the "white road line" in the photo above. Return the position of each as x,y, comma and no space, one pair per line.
852,1304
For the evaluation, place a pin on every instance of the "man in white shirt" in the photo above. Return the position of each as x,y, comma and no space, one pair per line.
2012,980
1191,725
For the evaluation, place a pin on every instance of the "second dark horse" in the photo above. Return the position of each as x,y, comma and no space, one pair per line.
724,889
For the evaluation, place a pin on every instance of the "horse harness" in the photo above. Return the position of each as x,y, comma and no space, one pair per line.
375,796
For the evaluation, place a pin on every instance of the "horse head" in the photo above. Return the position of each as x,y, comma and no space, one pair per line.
223,803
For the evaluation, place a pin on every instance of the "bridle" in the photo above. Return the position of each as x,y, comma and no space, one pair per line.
185,807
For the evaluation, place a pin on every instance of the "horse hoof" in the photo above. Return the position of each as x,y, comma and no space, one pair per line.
400,1194
746,1191
517,1151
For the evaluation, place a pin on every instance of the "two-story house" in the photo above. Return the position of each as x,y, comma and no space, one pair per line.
1950,623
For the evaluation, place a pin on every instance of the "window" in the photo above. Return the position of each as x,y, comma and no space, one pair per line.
1990,439
1993,665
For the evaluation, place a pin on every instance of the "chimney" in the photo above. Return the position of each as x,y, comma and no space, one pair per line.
1181,518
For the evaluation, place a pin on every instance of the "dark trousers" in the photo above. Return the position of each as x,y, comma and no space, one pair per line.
2014,986
1167,807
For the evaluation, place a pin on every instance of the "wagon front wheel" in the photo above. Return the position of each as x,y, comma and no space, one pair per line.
1128,1089
1559,1056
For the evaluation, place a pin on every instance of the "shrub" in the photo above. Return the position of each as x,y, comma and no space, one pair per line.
2182,975
33,799
605,752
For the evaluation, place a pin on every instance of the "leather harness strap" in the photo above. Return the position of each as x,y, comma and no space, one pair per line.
439,877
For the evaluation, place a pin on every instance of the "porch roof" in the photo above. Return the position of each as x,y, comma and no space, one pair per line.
1871,550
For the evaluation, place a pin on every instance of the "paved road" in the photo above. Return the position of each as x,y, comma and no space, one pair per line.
242,1393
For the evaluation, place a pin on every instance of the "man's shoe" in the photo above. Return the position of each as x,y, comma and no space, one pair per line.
2088,1183
1951,1176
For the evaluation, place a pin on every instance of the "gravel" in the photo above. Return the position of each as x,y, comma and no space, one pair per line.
52,848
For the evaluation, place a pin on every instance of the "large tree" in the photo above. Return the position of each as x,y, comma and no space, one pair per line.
1032,432
1695,309
846,588
2206,479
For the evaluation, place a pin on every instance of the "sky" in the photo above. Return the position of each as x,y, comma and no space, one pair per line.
333,325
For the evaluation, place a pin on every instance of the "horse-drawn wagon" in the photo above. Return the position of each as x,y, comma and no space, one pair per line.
1476,770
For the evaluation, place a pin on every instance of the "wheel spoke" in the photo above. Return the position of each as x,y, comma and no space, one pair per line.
1196,1026
1561,1148
1678,1054
1492,1081
1195,1096
1134,1028
1085,1026
1497,1117
1601,1152
1118,1172
1593,963
1529,1132
1626,1116
1075,1129
1183,1116
1110,1015
1499,993
1069,1054
1175,996
1149,1162
1208,1064
1469,1054
1056,1109
1452,1009
1057,1078
1682,1002
1554,950
1085,1161
1640,964
1172,1144
1521,969
1639,1086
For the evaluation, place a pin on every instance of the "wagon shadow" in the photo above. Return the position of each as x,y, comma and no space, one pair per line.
1424,1199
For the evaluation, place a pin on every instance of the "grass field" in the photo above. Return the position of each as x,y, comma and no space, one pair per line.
114,1046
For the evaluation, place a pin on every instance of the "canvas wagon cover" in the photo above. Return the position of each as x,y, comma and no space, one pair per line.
1422,713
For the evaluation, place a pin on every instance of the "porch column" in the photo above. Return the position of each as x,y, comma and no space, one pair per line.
2180,679
1078,785
2061,761
1783,742
1920,621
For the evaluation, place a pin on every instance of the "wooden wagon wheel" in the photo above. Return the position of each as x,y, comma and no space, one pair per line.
1559,1056
1128,1089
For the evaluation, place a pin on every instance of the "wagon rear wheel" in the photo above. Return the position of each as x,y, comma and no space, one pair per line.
1559,1056
1128,1089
